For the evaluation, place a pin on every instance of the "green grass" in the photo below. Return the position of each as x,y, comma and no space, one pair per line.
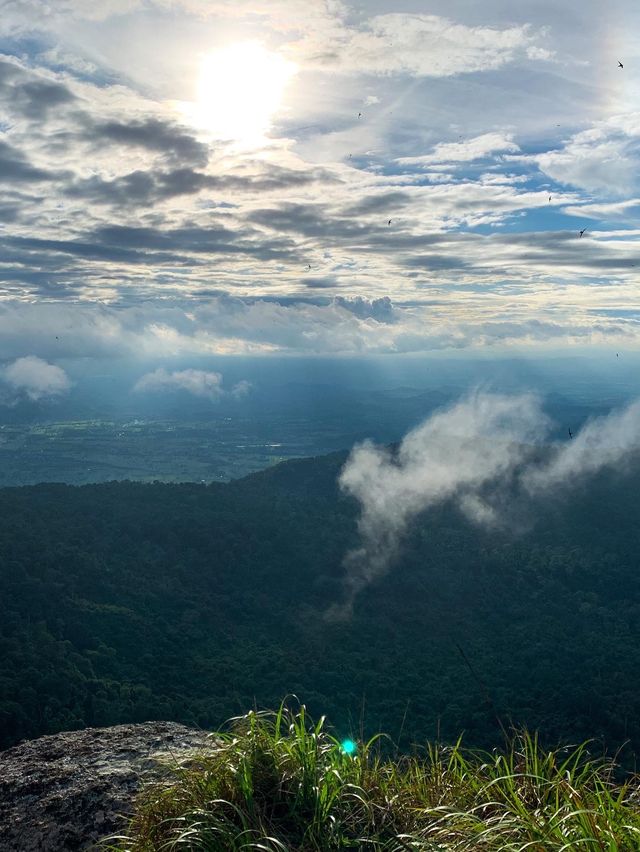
279,782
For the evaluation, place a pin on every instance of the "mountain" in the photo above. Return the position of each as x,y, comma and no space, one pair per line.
126,602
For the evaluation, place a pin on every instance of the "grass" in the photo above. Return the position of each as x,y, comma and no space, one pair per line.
279,782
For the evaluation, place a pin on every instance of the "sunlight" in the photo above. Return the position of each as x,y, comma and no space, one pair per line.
240,89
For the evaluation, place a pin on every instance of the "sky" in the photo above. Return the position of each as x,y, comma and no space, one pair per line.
191,178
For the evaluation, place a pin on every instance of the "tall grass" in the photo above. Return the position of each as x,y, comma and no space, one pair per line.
279,782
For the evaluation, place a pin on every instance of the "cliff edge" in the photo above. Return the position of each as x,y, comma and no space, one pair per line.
65,792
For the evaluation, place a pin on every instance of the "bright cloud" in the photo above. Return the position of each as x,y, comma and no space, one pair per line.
432,46
202,383
482,453
36,379
603,158
463,152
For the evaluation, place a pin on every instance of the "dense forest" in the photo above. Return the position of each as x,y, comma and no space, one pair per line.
127,601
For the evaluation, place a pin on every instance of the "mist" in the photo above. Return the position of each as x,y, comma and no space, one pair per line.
475,452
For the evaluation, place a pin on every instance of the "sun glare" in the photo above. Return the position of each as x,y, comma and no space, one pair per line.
240,89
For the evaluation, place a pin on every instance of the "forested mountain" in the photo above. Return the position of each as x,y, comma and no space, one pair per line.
127,602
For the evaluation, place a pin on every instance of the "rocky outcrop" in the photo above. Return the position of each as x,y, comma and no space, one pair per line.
65,792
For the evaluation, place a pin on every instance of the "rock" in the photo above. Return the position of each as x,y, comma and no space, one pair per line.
65,792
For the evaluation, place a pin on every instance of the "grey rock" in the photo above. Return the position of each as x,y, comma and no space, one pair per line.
65,792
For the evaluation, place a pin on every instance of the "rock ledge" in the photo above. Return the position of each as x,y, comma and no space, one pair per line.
63,793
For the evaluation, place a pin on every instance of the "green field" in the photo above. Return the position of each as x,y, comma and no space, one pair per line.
84,451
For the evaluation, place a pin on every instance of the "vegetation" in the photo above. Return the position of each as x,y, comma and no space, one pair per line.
125,602
280,783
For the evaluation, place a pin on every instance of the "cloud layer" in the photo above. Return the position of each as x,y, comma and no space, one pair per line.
427,174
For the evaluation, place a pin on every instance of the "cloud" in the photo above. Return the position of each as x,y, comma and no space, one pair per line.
36,379
241,389
380,310
141,187
602,442
621,211
36,98
150,186
422,45
153,134
604,158
15,167
217,323
30,95
453,454
112,206
32,15
482,452
477,148
283,14
207,385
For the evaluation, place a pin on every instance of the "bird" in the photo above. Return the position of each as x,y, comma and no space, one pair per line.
620,65
359,115
389,222
570,433
549,198
582,231
308,266
617,354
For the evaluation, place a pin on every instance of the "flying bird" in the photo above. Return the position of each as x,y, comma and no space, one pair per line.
359,115
549,198
620,65
389,222
583,231
308,266
570,433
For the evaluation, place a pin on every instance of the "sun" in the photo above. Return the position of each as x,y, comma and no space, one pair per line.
239,90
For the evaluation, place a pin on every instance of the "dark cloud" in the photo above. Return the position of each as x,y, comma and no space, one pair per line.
138,187
15,168
383,203
212,240
318,283
8,71
153,134
310,220
436,261
271,177
31,95
9,212
539,239
380,310
36,98
145,188
587,259
55,266
33,249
